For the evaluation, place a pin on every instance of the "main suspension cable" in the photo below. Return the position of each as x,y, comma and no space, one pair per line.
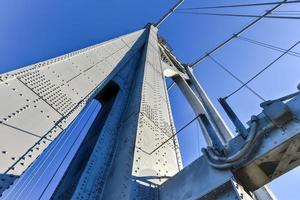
196,62
236,34
236,78
261,71
239,5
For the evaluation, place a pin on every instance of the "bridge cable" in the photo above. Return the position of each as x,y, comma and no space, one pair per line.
261,71
246,27
240,5
181,129
238,15
235,77
171,85
269,46
287,13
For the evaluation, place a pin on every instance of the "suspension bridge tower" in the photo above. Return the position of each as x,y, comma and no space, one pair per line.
97,124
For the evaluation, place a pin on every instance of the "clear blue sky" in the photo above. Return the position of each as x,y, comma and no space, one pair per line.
32,31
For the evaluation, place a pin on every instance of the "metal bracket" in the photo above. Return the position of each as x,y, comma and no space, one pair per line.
277,111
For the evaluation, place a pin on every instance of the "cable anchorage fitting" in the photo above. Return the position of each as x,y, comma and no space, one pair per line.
223,162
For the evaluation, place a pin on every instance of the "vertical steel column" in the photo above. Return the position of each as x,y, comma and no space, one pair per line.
214,116
263,193
135,172
207,128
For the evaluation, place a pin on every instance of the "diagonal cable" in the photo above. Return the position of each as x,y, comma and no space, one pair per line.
236,34
236,78
239,15
181,129
261,71
269,46
203,57
240,5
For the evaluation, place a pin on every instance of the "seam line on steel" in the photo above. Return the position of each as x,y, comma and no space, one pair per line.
144,114
55,125
73,78
87,69
159,95
173,128
72,145
104,59
39,96
62,118
24,131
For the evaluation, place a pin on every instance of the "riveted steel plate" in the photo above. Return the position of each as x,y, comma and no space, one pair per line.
39,101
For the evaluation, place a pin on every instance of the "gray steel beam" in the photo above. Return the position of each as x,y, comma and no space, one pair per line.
119,165
195,103
276,152
215,118
52,93
135,173
201,181
264,193
206,106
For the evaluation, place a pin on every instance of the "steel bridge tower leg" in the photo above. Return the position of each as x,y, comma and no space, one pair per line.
224,134
121,165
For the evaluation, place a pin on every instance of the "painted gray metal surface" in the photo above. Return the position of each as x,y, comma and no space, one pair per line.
146,124
41,100
201,104
201,181
194,101
264,193
53,94
278,150
192,183
225,135
277,153
50,166
221,128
